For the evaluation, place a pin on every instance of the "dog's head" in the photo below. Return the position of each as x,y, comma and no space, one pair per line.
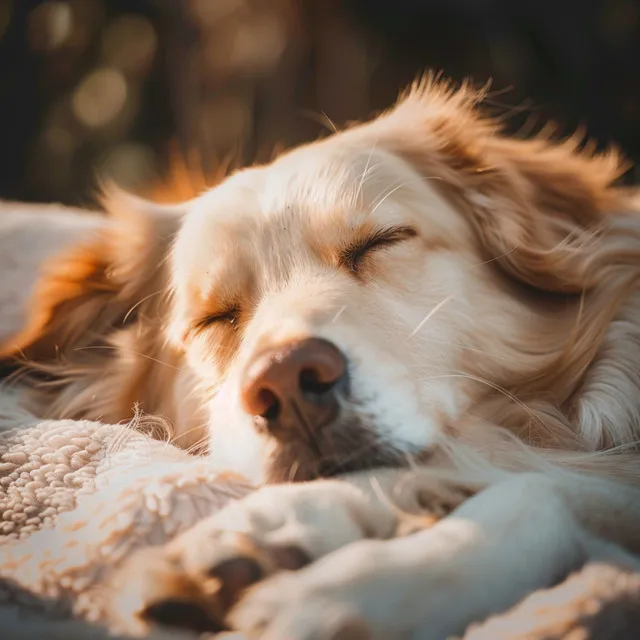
355,299
351,302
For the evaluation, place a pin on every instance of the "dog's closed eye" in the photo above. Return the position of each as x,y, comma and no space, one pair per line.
353,255
225,317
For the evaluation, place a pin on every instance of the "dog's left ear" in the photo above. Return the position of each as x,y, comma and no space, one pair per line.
538,208
93,286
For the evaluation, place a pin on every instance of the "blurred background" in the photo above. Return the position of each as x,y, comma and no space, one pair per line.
124,88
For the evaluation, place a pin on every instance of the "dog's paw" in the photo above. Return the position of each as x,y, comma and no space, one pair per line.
196,579
193,581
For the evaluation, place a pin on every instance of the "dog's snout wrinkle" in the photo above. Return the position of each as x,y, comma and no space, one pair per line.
295,387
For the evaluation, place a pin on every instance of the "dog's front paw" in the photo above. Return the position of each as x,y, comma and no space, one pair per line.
193,581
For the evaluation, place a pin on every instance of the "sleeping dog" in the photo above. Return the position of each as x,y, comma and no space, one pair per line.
416,312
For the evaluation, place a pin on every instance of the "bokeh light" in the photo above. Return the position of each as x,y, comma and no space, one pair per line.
129,43
100,98
114,87
50,25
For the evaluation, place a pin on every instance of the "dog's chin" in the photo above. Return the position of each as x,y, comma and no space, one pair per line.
340,449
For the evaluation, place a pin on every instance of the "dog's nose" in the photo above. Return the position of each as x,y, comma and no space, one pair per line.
295,386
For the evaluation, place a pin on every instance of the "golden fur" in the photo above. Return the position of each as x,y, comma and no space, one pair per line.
557,247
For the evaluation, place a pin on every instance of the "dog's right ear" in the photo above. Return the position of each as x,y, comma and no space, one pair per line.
539,208
91,287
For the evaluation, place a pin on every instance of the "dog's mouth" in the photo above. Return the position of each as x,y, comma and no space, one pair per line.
342,448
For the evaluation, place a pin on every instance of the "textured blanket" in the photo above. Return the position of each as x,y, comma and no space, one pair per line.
76,498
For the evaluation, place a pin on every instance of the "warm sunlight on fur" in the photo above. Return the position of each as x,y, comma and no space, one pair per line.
465,280
451,314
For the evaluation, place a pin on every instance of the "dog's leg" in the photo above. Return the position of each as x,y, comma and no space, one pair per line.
507,541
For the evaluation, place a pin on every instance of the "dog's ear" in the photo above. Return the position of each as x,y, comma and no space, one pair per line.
538,207
93,286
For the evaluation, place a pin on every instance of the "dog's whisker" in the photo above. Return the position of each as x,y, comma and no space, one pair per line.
137,353
430,315
492,385
464,347
140,302
497,258
366,167
340,311
387,195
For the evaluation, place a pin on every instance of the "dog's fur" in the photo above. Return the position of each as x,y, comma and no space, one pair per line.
495,329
